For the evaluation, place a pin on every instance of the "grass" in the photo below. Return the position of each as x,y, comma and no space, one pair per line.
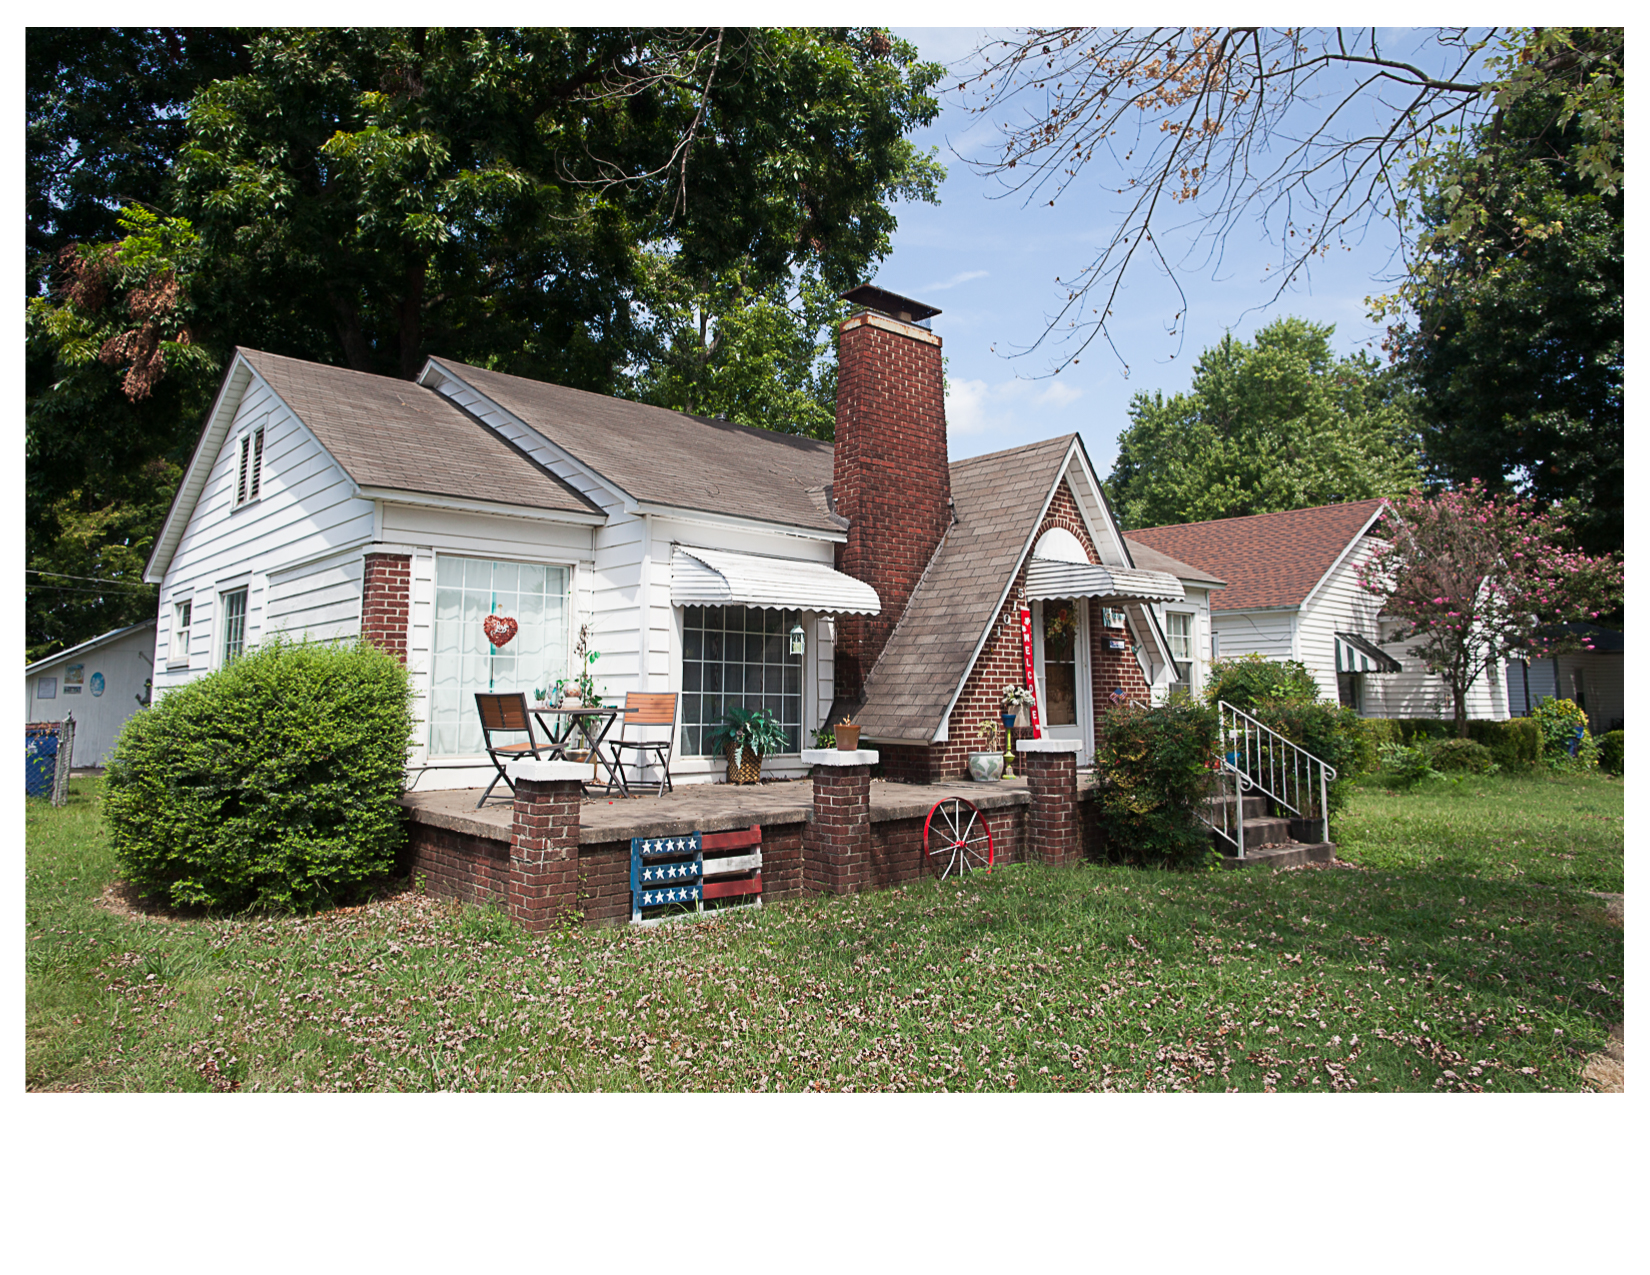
1464,953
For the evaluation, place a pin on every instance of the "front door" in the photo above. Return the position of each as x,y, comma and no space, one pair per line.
1060,642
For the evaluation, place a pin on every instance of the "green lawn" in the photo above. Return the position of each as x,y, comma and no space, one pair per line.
1465,953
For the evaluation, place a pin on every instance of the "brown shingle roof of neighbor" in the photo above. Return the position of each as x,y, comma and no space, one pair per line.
670,458
1149,559
392,434
1267,560
999,499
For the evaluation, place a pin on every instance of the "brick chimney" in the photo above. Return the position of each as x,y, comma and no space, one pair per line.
892,479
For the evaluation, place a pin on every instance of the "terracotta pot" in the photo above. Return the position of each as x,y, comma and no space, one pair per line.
847,739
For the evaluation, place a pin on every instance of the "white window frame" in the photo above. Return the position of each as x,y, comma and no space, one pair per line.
221,636
1190,657
178,656
249,467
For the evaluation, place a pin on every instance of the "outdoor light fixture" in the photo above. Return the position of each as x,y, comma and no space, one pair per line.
799,639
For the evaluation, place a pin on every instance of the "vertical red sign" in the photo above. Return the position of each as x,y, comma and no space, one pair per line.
1031,670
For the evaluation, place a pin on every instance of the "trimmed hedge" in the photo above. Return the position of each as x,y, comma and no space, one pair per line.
272,783
1461,754
1612,752
1514,744
1558,720
1155,767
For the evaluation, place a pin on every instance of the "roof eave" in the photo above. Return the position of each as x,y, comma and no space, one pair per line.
90,644
471,504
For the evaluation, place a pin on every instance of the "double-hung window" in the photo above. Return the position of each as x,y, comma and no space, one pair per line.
1179,627
234,624
178,650
249,475
738,657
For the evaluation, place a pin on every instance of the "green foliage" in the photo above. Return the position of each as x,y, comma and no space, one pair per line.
1405,765
1559,720
271,783
1246,680
1612,752
1280,424
752,729
1154,769
1514,744
1449,755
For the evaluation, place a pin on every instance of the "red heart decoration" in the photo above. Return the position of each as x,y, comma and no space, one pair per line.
499,628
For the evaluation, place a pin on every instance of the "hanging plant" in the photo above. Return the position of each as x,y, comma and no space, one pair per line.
499,629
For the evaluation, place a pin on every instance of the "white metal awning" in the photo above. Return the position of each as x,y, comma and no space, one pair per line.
1046,578
1354,654
720,577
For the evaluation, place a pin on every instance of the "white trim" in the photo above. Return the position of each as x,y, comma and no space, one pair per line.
711,518
466,504
838,757
90,644
1341,557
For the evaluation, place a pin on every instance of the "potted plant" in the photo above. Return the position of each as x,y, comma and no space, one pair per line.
987,767
1016,700
747,736
847,735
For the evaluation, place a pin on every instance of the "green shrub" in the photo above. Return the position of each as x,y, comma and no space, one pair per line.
1247,680
1612,752
271,783
1405,765
1154,769
1514,744
1558,719
1461,754
1327,731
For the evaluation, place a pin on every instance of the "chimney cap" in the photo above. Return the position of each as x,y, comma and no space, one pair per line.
870,297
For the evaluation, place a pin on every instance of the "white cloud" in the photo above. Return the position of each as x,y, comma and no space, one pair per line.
955,279
1015,407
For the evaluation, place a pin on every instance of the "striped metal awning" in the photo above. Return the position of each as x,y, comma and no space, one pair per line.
1046,578
1354,654
720,577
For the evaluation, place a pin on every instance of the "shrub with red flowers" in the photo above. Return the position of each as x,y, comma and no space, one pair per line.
1476,579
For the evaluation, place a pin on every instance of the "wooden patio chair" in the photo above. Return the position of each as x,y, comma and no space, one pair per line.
642,711
506,715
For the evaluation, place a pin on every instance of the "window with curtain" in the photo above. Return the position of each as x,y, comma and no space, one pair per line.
467,591
234,625
738,656
1179,627
1061,623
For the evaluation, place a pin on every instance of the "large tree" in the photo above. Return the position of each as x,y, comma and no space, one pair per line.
1278,424
537,200
1514,339
1311,132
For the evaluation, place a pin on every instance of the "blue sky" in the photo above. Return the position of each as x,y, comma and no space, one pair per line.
990,265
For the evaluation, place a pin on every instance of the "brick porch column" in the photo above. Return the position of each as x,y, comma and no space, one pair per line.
836,844
1053,829
544,841
386,593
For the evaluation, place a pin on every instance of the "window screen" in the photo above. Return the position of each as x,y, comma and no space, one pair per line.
738,656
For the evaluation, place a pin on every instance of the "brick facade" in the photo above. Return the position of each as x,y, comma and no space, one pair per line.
386,594
457,865
1003,662
544,852
891,477
836,847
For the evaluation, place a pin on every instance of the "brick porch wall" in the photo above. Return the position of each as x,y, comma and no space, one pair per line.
456,865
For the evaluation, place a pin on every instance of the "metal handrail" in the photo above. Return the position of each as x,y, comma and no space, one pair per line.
1266,762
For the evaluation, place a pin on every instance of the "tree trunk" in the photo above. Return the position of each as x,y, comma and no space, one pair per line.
356,352
1460,694
410,318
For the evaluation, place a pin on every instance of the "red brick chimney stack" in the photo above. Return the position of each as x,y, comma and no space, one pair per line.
892,478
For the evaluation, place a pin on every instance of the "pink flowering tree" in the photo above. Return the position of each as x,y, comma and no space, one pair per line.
1475,580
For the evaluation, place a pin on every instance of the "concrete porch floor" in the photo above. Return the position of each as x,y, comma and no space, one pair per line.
700,807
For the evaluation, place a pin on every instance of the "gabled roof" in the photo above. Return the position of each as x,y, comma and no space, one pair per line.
670,459
1149,559
89,645
999,501
392,435
1267,560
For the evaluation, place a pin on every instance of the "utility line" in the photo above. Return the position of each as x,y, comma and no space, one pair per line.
63,575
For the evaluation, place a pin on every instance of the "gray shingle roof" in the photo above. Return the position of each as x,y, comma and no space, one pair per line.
670,458
999,500
1149,559
393,434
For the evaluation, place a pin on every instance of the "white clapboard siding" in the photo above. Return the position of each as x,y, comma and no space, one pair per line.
1338,604
305,511
1417,693
1268,633
318,601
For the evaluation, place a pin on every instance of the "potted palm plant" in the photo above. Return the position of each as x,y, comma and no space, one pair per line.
747,735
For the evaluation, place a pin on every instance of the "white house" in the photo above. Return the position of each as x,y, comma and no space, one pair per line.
1187,623
728,564
1293,594
102,682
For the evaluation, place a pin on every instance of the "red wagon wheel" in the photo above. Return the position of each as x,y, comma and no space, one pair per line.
957,838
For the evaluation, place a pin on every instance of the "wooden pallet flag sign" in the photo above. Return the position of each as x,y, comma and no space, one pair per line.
667,873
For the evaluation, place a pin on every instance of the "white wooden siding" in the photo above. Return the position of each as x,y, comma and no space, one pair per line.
1337,604
1268,633
1417,693
125,664
306,509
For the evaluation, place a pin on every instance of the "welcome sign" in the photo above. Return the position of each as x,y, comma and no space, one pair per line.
1031,670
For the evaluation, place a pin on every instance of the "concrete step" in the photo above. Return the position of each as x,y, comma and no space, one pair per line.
1266,831
1289,854
1253,807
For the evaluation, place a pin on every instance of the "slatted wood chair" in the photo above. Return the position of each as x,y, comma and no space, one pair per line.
506,715
642,711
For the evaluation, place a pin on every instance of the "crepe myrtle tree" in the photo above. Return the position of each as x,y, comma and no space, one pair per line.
1475,579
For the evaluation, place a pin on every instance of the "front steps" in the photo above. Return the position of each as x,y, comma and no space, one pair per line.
1270,841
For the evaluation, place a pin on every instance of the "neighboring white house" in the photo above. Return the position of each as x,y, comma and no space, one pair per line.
102,682
1292,594
1188,624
